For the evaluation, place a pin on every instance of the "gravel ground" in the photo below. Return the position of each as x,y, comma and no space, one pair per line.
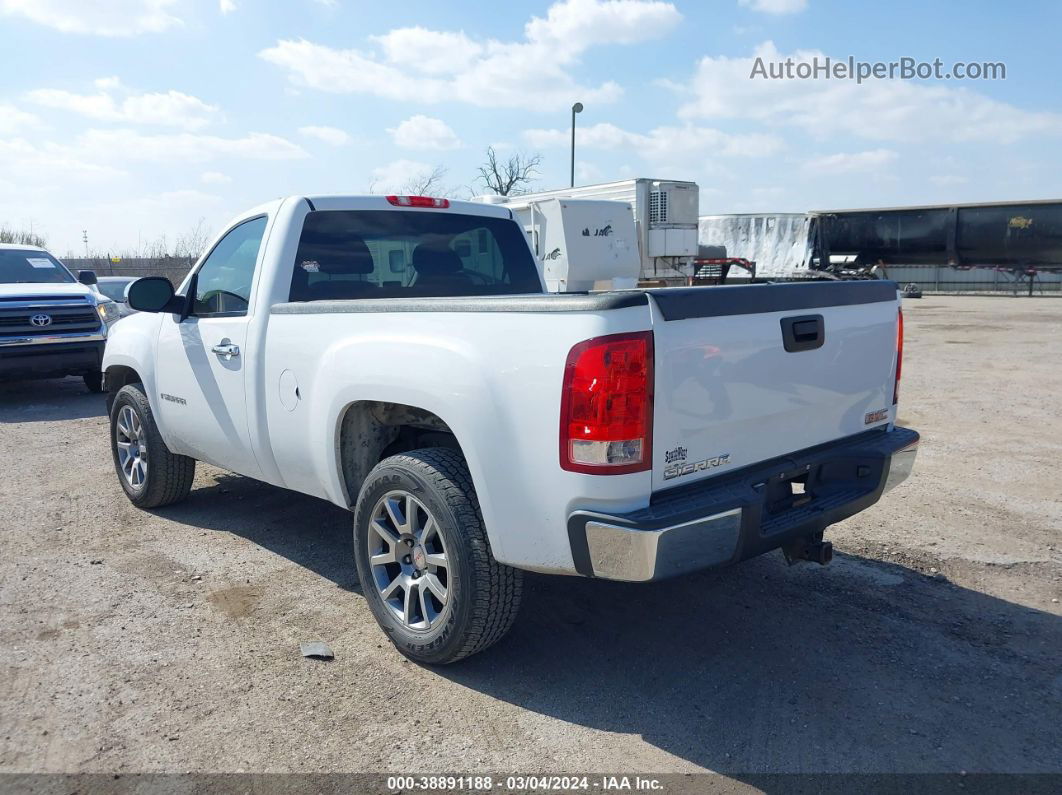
169,641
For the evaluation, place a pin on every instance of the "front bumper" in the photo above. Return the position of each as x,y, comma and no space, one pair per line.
745,513
53,357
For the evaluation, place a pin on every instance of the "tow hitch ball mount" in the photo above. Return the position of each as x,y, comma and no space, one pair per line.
809,548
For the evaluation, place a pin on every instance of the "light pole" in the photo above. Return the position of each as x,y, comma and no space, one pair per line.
576,108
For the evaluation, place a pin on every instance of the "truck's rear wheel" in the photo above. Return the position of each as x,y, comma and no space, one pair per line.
150,474
424,561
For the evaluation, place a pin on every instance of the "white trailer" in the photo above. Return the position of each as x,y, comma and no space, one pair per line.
777,242
665,221
580,244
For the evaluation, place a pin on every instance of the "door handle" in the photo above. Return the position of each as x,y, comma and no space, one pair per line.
803,333
226,350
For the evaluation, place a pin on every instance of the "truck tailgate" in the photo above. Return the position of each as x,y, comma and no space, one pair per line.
728,391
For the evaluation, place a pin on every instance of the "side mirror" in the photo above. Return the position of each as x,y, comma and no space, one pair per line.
153,294
87,278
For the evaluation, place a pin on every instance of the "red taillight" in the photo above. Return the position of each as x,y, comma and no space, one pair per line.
418,201
607,405
899,357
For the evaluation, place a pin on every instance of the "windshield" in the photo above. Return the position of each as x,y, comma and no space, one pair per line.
395,254
114,290
18,266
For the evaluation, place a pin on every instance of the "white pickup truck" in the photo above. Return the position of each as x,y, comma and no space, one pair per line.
398,356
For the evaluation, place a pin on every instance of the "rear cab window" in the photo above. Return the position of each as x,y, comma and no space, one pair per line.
347,254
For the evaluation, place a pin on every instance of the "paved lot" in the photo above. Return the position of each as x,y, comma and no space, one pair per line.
168,641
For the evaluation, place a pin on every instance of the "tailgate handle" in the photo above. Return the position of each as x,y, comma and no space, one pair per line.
803,332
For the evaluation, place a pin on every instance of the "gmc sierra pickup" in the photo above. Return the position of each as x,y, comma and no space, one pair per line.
51,324
398,356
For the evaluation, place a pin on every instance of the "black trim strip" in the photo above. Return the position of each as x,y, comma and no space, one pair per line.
675,303
685,303
534,302
312,208
580,546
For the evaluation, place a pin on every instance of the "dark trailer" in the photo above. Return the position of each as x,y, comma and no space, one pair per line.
1021,237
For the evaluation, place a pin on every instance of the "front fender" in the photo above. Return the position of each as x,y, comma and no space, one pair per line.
131,343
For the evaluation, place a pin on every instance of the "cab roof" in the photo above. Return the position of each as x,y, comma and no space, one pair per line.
21,247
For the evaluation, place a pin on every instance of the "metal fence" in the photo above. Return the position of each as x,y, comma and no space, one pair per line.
945,279
173,268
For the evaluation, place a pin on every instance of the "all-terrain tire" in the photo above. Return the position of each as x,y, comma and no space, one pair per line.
169,476
483,595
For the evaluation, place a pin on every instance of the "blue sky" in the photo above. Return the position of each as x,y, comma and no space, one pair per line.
135,118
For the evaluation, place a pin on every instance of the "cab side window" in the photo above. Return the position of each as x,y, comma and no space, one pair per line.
223,283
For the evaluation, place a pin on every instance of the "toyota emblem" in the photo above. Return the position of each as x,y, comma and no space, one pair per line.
41,320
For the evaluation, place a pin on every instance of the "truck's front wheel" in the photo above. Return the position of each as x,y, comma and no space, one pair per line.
150,474
424,561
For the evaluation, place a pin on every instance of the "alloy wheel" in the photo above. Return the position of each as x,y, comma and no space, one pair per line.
408,560
132,447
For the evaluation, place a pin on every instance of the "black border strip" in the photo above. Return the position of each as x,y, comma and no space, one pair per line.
675,303
534,302
685,303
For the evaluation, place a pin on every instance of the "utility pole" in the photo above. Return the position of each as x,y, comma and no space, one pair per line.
84,239
576,108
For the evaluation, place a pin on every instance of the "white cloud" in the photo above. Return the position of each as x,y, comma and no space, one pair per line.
226,6
581,24
330,135
396,175
948,180
424,132
662,143
124,144
99,18
880,110
430,52
775,6
157,217
214,178
14,121
872,161
186,196
417,64
97,158
171,108
38,165
588,173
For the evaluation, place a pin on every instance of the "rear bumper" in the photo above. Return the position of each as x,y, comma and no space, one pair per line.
52,359
745,513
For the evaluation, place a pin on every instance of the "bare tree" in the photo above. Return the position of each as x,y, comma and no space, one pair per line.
509,178
427,183
21,236
193,242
